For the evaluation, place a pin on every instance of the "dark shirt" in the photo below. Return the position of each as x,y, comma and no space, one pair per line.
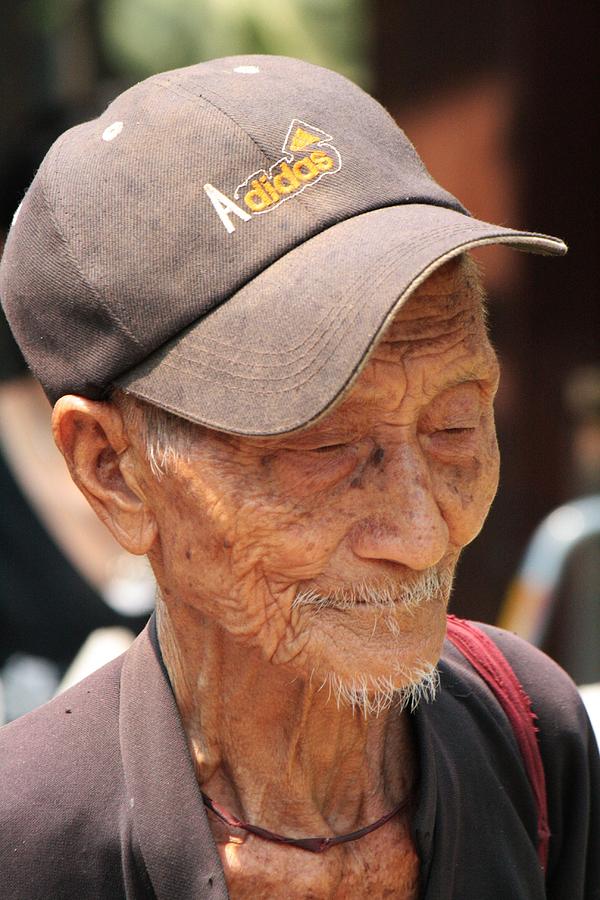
98,797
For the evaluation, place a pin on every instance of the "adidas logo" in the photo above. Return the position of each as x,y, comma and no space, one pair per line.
307,157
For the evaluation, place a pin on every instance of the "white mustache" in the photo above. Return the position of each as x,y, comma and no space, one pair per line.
384,593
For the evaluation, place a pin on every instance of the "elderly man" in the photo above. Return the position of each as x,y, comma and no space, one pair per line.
266,346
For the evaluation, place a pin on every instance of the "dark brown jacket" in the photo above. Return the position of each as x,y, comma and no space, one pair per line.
98,799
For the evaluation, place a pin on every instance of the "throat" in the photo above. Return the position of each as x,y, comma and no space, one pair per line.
273,752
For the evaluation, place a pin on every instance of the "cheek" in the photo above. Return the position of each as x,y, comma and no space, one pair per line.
188,538
288,544
224,540
283,521
465,492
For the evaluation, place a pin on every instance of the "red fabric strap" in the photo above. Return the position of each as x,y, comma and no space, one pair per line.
492,665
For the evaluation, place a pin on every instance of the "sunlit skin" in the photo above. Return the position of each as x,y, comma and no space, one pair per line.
393,481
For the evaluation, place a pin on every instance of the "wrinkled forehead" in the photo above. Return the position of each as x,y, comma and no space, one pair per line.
452,296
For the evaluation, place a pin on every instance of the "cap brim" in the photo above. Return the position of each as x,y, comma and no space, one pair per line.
285,348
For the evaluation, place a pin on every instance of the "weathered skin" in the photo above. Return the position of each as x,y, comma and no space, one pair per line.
392,482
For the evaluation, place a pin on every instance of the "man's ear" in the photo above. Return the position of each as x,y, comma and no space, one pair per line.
92,438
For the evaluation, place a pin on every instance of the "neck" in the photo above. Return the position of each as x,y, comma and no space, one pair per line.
269,745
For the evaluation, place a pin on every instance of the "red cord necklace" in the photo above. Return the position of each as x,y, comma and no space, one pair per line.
313,844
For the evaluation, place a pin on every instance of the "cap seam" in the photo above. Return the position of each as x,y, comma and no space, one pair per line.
73,259
215,100
201,95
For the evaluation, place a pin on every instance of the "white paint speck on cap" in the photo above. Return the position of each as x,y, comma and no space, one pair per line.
246,70
110,133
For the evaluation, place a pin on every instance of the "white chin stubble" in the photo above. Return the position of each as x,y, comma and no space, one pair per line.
373,695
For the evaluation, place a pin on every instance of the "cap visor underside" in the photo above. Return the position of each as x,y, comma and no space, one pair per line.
285,348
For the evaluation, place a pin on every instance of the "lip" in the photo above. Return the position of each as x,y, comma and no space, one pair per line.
364,605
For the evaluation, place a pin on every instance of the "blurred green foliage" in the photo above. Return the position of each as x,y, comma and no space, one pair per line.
146,36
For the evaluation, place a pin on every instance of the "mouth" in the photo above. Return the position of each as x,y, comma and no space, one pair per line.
383,595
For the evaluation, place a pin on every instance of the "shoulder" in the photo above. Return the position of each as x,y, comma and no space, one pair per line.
75,723
554,696
570,758
61,784
565,733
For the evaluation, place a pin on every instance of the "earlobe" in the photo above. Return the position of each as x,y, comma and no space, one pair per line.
92,438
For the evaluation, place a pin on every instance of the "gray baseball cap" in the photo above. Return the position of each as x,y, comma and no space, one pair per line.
228,241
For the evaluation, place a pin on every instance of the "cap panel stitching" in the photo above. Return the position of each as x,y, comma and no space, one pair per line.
280,357
181,91
71,255
328,336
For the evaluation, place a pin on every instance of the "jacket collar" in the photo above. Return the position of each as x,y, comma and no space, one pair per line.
169,819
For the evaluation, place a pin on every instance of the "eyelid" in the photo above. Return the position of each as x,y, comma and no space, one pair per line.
456,420
315,448
452,443
321,448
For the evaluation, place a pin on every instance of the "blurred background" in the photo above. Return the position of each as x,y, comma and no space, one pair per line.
500,100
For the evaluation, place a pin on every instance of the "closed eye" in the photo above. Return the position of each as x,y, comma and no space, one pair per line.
327,448
465,430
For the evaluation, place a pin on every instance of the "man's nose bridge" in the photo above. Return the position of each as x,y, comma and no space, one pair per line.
410,506
405,474
406,525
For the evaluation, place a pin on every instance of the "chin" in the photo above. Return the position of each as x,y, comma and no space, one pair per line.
372,696
374,659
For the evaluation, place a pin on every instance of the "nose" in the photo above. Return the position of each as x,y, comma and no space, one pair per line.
404,523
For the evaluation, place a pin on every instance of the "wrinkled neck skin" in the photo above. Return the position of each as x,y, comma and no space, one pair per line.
272,747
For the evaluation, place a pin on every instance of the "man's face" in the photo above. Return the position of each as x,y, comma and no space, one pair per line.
306,546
